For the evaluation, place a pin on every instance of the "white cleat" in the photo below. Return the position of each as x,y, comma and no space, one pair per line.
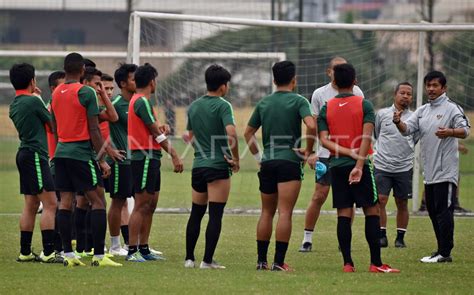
436,258
189,264
213,265
156,252
118,252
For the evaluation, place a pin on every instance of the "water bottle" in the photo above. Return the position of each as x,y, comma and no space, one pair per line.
321,169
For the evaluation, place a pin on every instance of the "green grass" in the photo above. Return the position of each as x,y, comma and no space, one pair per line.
316,272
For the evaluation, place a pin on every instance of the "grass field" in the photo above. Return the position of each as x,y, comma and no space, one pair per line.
317,272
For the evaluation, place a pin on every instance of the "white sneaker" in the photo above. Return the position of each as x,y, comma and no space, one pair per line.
156,252
118,251
189,263
125,247
213,265
436,258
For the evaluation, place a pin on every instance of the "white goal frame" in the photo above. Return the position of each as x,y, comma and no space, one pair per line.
423,27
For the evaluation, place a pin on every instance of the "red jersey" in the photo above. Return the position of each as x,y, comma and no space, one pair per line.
70,114
139,136
345,119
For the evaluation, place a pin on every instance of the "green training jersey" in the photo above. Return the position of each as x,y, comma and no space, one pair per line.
118,130
29,115
207,118
280,115
81,150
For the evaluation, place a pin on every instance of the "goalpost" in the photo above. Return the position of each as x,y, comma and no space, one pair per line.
383,54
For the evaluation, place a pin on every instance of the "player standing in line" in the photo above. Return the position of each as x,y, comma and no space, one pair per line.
345,127
82,213
394,163
75,113
30,115
54,79
281,170
211,127
120,181
323,184
146,138
440,122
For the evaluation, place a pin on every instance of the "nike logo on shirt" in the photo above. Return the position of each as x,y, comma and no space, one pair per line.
343,104
63,91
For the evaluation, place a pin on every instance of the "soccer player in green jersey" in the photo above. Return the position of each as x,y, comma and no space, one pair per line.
211,128
281,169
30,117
120,182
75,113
146,138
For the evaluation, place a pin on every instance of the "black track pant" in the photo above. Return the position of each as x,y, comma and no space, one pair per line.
440,206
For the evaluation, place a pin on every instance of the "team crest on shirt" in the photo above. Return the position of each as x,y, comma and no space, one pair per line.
439,116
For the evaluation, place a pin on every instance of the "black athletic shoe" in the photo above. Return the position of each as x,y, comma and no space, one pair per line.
400,244
262,266
459,209
383,242
306,247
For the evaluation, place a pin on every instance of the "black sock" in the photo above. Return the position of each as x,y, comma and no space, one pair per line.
372,224
89,241
262,250
401,234
80,226
213,230
280,252
383,232
124,231
99,228
344,236
25,242
47,236
193,229
58,246
144,249
132,249
65,227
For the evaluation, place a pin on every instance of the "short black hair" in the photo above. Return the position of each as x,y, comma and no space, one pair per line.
216,76
402,84
54,77
106,77
344,75
89,63
435,75
283,72
121,74
144,75
73,63
21,75
90,72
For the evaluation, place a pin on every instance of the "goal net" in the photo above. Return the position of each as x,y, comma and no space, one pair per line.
383,55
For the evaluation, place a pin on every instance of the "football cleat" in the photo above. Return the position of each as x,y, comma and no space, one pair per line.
152,257
283,267
104,261
400,243
189,263
156,252
118,251
262,266
436,258
135,257
51,258
213,265
32,257
348,268
383,242
72,261
384,268
306,247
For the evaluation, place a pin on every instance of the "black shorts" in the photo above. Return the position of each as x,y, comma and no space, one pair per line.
345,195
146,175
35,175
275,171
400,183
326,178
120,182
204,175
77,176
